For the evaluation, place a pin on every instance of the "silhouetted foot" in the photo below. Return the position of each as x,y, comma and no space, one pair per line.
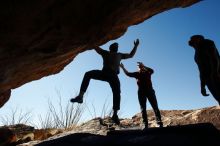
160,124
77,99
115,119
145,128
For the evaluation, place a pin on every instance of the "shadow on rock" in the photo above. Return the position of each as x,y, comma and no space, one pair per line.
194,134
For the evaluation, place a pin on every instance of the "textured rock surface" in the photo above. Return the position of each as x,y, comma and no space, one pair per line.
175,121
190,135
39,38
20,133
7,136
184,117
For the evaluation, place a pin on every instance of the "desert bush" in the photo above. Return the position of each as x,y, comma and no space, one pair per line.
61,115
16,116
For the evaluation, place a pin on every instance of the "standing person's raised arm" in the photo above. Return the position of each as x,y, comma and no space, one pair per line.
99,50
126,72
133,51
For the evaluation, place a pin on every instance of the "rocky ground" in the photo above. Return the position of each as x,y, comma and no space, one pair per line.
174,121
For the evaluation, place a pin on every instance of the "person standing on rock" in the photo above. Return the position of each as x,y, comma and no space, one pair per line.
109,73
208,61
145,91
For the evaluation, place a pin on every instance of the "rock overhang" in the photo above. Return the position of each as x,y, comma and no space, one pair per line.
39,38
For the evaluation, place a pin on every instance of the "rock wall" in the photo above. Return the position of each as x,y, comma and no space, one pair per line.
40,37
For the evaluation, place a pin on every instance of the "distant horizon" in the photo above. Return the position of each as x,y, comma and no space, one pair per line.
163,47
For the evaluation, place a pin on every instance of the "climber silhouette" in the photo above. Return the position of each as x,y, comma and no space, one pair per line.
145,91
109,73
208,61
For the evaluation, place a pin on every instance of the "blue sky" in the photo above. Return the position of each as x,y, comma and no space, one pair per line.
163,47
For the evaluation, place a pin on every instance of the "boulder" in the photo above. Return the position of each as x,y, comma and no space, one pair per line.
7,137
